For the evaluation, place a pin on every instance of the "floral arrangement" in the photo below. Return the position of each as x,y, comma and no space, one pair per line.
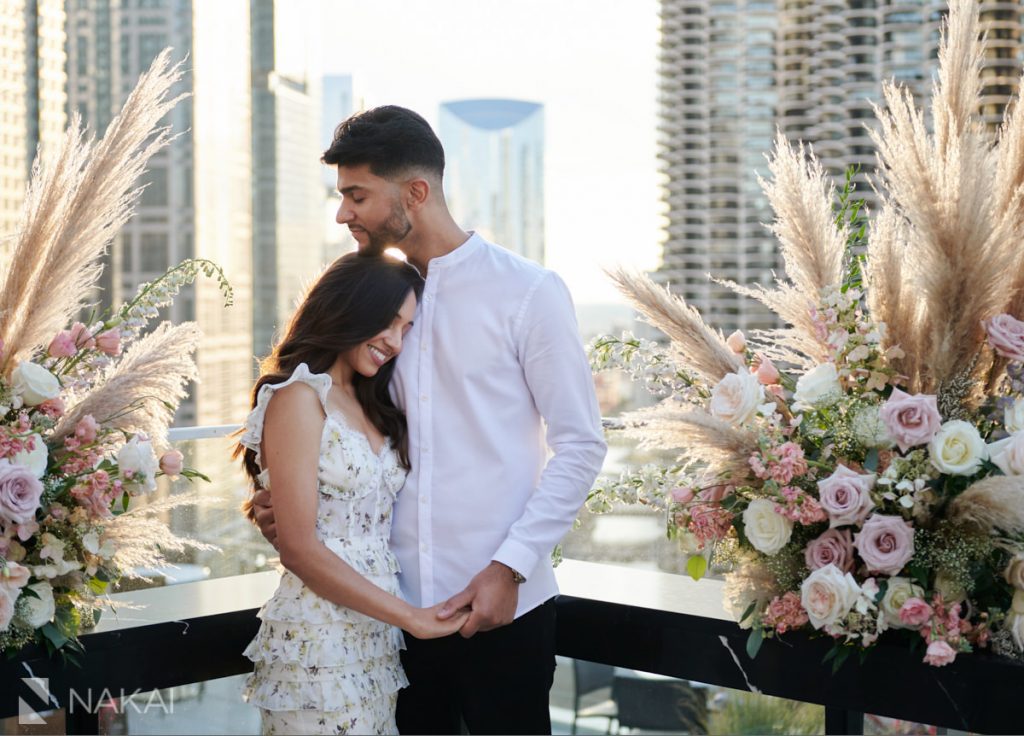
862,468
83,409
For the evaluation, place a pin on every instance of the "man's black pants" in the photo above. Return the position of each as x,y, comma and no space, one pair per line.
496,681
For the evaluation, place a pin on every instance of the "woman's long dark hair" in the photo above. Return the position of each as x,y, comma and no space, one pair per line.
355,299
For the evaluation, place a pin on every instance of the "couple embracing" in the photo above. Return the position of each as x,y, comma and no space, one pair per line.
398,443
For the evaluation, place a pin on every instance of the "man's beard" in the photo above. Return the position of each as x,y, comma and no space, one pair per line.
391,232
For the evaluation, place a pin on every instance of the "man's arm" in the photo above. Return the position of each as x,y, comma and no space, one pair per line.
559,378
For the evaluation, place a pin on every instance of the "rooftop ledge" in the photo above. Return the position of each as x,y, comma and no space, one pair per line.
644,620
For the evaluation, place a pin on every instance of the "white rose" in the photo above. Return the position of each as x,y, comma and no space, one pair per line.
767,530
1008,454
736,397
818,387
899,590
828,594
1013,416
1015,624
1014,572
137,457
34,384
39,611
957,448
34,460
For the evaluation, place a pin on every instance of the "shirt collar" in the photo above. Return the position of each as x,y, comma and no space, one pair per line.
458,255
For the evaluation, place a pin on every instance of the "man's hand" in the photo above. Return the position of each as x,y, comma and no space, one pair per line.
263,510
492,596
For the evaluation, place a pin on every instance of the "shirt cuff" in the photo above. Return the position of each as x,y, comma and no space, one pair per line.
517,556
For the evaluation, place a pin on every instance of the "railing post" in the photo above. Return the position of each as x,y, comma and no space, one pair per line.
842,722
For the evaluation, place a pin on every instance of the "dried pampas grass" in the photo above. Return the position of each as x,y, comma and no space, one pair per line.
75,204
143,390
723,448
698,347
995,504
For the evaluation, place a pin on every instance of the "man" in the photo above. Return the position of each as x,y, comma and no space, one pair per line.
494,353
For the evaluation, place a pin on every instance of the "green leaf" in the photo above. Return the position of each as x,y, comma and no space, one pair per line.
750,610
97,586
696,566
841,657
53,637
754,641
871,460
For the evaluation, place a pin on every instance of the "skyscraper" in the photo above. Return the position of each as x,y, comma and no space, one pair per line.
340,100
494,176
197,201
288,236
731,70
718,101
32,84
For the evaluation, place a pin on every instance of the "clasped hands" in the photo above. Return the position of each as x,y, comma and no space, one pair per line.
490,598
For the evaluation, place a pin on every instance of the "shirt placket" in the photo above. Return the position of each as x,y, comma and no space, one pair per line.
426,444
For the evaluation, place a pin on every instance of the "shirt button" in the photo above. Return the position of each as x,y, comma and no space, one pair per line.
423,500
423,347
423,397
424,547
426,450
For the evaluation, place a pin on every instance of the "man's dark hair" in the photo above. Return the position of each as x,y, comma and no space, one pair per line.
390,139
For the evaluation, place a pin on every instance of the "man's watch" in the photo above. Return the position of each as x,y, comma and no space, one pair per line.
517,577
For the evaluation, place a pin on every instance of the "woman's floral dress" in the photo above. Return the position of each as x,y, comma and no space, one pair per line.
320,667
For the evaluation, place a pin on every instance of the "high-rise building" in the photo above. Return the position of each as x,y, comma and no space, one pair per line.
494,175
717,110
288,237
340,100
198,196
731,70
32,96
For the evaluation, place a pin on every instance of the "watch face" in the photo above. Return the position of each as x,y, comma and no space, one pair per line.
517,577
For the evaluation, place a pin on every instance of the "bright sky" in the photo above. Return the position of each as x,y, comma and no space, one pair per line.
593,65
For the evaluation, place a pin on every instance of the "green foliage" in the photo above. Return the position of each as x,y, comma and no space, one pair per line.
696,566
848,211
751,713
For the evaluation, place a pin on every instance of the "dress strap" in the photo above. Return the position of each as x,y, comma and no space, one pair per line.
253,434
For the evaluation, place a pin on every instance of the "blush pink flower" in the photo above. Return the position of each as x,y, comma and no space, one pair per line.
915,612
911,420
1006,336
109,342
785,612
6,609
53,408
846,496
172,462
62,345
20,491
766,371
885,543
737,342
682,494
834,547
939,653
87,429
82,337
799,506
709,522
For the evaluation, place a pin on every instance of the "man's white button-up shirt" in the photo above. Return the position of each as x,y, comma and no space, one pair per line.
492,361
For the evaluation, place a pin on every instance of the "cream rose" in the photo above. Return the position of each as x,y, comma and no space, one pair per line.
137,458
1008,454
1014,573
957,448
34,384
828,594
40,611
34,459
767,530
818,387
1015,625
900,590
736,397
1013,416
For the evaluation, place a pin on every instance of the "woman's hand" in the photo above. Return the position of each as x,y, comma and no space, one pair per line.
424,623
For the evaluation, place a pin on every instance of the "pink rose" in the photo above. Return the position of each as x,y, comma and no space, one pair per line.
87,429
82,337
766,372
20,491
6,609
53,408
885,543
846,496
714,494
834,547
172,461
939,653
62,346
109,342
13,577
736,342
915,612
911,420
1006,336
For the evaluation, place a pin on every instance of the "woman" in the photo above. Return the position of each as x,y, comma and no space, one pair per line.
326,440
